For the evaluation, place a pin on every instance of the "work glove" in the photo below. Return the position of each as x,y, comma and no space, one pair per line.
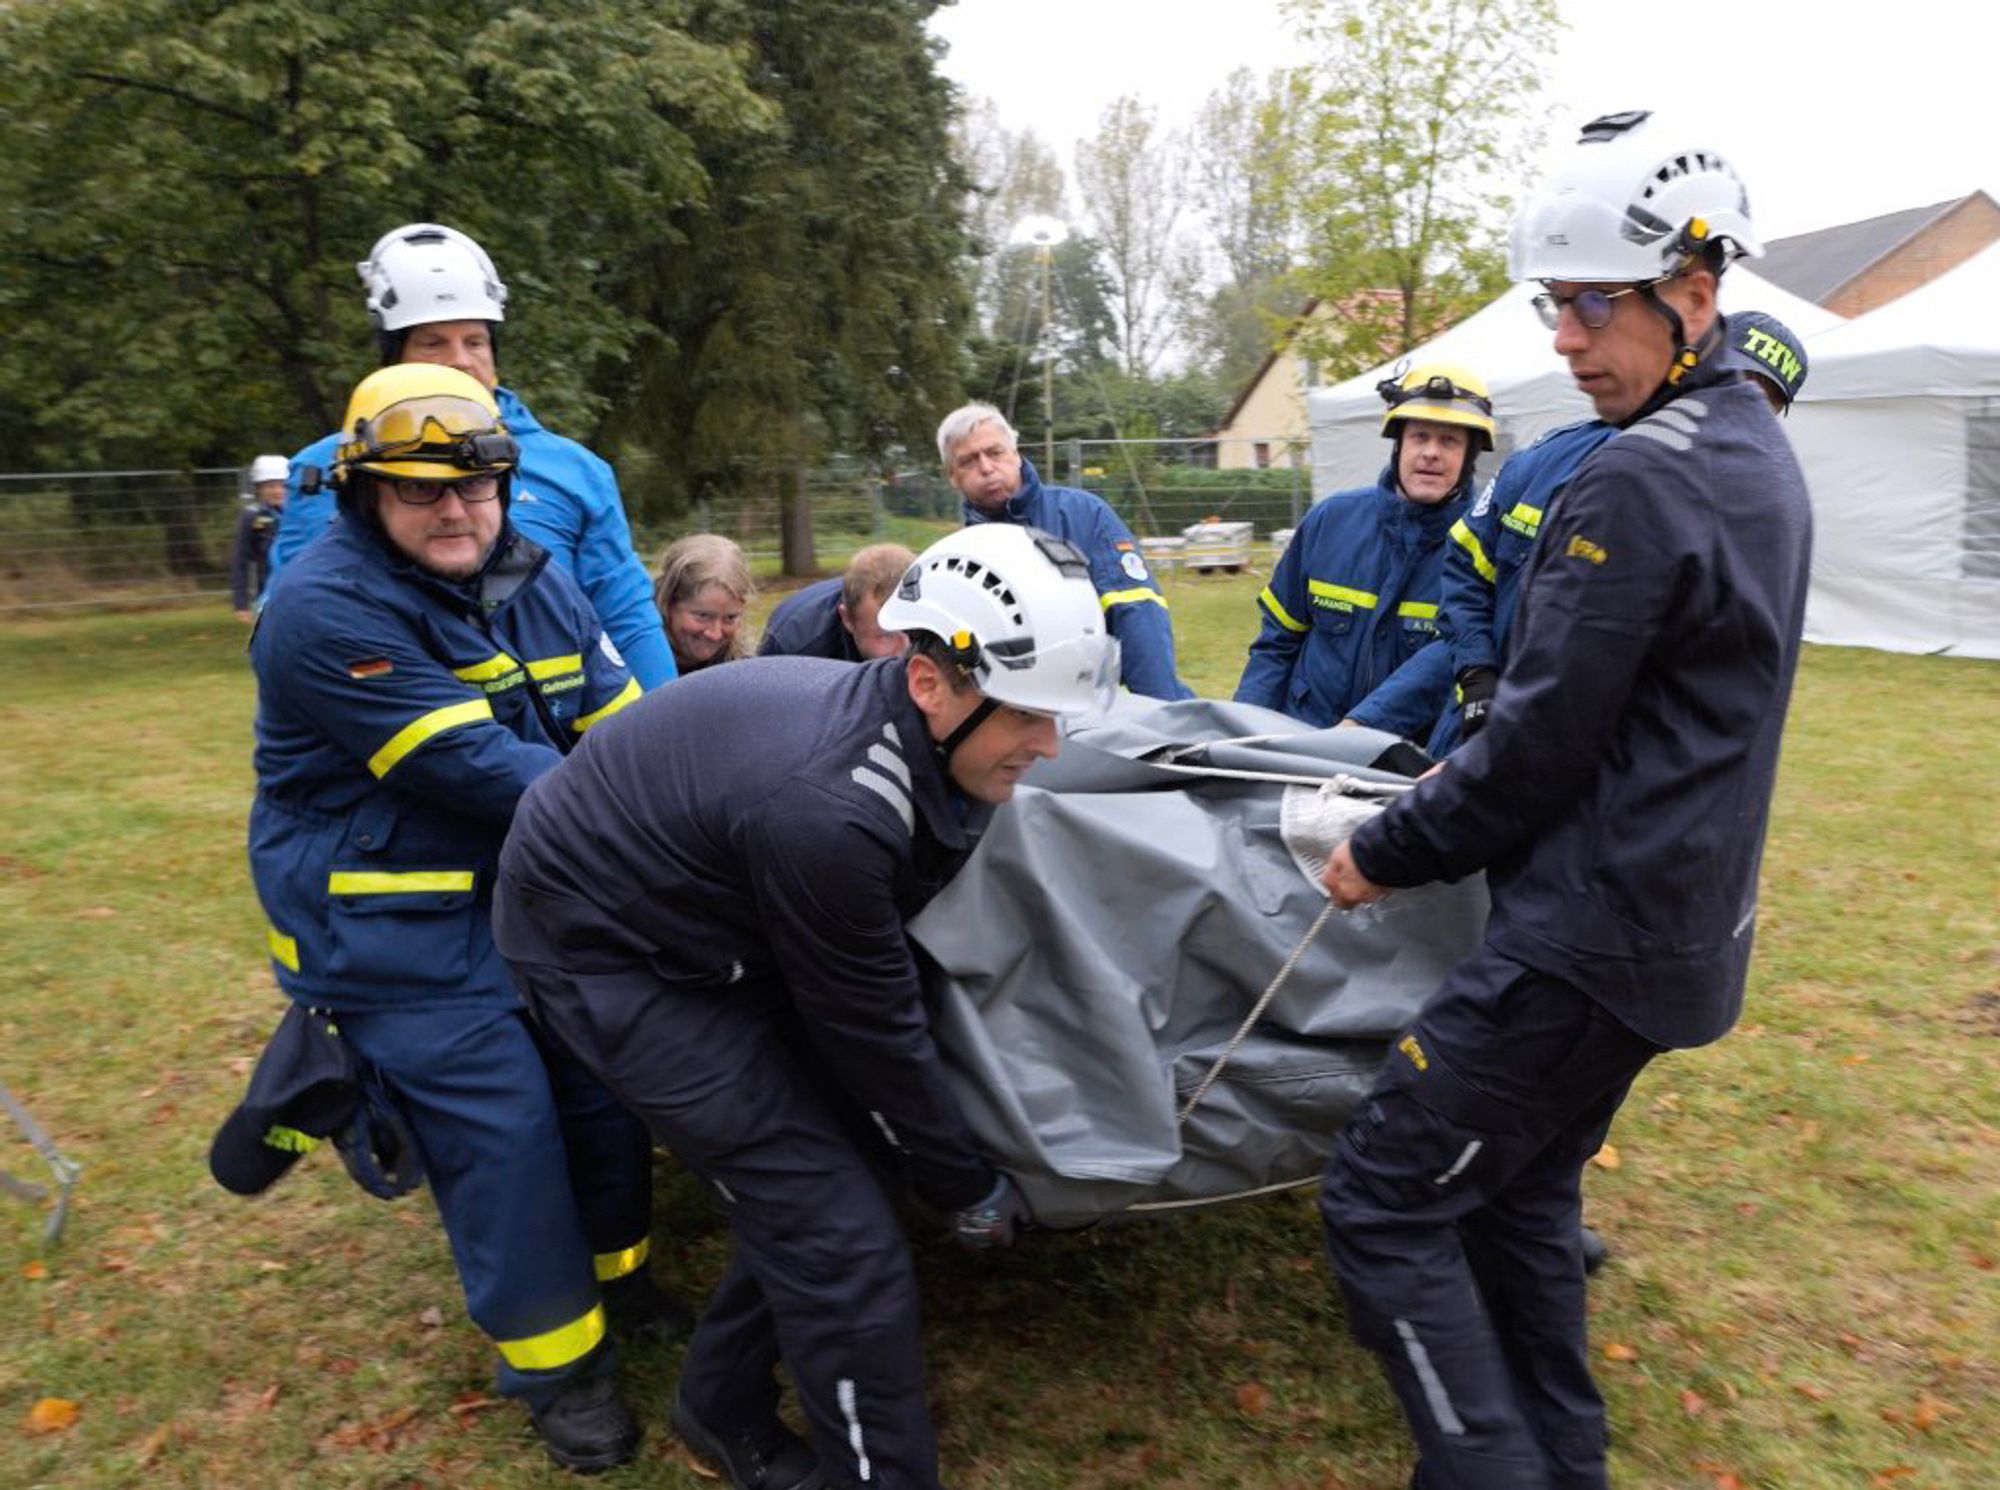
1476,687
992,1222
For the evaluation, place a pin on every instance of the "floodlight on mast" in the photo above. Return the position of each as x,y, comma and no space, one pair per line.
1044,234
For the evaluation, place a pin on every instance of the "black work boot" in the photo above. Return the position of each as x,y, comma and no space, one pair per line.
767,1458
1594,1251
640,1310
587,1427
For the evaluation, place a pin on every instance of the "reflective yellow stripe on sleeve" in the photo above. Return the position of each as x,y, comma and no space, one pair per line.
543,668
496,666
1341,594
397,882
612,1266
625,696
420,729
1418,609
1468,540
284,949
557,1347
1131,597
1529,518
1278,613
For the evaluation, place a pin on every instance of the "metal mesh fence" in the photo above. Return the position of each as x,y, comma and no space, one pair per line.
77,538
71,539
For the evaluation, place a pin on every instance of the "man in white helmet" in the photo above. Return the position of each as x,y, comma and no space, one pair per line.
256,526
434,296
705,905
1616,797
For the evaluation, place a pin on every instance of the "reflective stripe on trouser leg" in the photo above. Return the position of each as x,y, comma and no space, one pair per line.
477,1097
820,1270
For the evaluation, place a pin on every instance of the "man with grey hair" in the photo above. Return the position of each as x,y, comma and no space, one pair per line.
982,458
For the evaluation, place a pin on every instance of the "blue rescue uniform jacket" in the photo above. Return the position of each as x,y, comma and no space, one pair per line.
565,500
1354,597
1134,609
1618,796
1483,560
807,624
776,821
399,718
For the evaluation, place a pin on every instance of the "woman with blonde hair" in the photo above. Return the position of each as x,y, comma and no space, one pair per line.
702,591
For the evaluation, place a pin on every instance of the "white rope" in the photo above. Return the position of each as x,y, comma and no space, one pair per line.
1256,1012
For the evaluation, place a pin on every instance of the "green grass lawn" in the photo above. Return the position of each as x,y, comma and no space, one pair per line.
1806,1217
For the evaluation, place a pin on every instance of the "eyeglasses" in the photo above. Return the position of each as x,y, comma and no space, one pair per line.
471,490
1592,307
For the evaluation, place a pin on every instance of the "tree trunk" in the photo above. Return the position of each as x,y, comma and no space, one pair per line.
795,524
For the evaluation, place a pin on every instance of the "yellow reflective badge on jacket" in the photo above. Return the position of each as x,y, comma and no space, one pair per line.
1582,548
1409,1046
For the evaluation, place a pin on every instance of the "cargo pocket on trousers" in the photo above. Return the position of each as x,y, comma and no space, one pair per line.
400,928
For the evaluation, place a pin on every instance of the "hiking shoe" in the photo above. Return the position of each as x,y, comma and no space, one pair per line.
768,1458
640,1310
587,1427
1595,1250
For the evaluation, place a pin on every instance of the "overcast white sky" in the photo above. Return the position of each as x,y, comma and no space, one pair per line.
1833,111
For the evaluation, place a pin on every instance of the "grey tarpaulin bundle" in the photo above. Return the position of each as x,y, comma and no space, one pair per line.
1120,919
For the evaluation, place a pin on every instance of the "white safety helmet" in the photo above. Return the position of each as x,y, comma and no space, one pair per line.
1019,611
423,272
269,468
1630,203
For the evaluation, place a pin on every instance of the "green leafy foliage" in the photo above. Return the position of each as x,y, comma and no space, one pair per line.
1401,136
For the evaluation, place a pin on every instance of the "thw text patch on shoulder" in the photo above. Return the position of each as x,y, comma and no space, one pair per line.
1581,547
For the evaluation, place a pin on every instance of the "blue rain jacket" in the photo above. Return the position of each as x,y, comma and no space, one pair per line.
565,500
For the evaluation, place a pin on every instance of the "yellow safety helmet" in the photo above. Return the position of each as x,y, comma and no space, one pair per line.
1443,393
423,421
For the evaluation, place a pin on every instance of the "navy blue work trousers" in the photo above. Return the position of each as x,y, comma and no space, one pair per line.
535,1168
1453,1205
820,1275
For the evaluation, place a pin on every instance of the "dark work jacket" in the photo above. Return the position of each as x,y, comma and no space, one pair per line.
776,821
256,526
1353,599
1618,795
807,624
399,718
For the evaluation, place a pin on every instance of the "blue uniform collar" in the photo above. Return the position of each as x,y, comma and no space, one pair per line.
1019,508
513,413
954,819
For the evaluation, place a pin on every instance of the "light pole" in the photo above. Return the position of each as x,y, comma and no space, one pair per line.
1045,234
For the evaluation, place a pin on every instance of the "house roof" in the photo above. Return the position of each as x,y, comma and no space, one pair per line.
1814,265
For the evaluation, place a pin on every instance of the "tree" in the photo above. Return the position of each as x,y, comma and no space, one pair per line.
185,186
1235,152
816,304
1133,182
1409,113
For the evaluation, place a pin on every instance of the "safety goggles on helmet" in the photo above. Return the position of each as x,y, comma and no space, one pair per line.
434,429
1437,387
1593,308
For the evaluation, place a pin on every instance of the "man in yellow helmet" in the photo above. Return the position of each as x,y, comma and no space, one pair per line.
416,669
1356,594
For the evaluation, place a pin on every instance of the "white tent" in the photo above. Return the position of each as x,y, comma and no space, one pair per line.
1508,346
1898,429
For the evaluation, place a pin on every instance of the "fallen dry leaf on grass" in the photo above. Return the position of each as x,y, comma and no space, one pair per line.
52,1415
1693,1403
431,1318
1252,1399
1606,1158
34,1272
1618,1352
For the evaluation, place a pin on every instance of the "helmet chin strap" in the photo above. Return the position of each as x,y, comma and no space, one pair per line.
1687,355
971,722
